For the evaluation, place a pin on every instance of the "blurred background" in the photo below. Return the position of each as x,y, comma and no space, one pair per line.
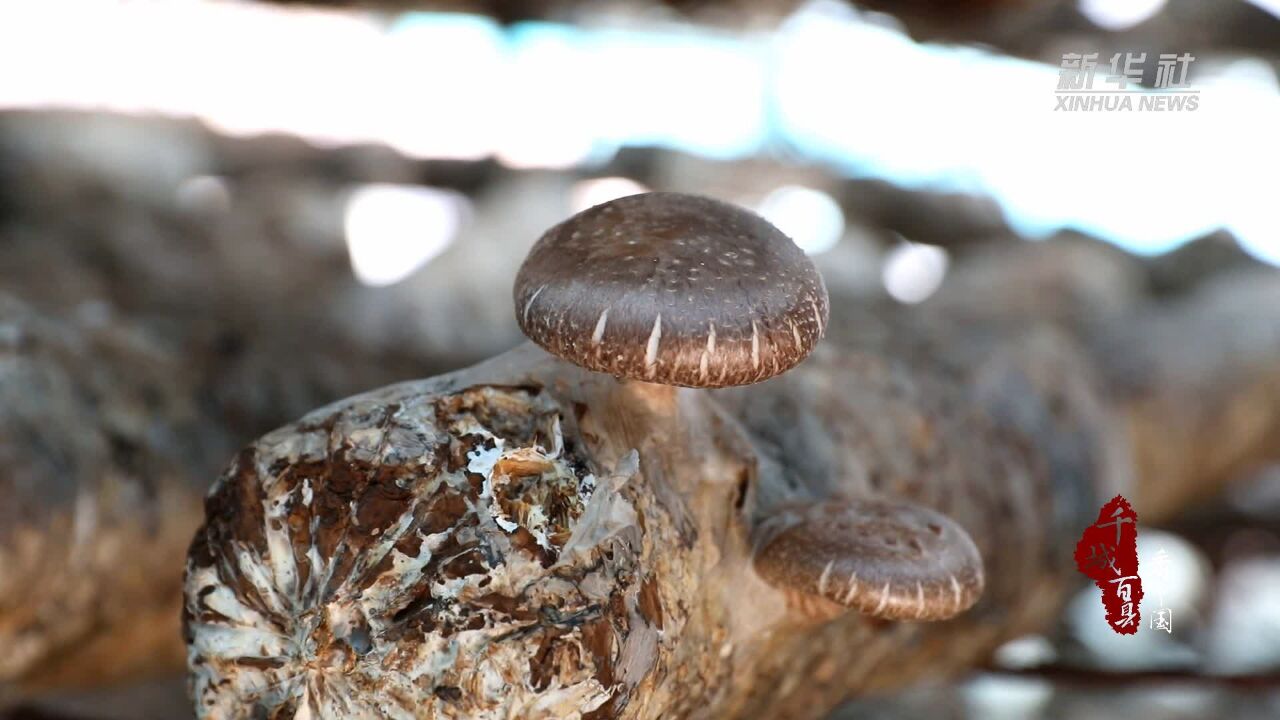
217,216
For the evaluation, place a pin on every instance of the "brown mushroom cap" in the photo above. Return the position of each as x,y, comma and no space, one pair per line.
673,289
888,559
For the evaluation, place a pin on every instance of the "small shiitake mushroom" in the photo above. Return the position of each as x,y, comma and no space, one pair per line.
888,559
672,289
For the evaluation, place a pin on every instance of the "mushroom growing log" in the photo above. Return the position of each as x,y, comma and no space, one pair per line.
98,459
528,538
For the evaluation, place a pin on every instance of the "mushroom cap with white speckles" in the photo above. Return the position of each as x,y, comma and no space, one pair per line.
674,289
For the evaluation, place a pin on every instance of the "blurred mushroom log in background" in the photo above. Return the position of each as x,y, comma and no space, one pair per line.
232,247
1191,377
101,453
1199,380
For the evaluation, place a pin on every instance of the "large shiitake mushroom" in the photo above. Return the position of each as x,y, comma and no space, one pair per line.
673,289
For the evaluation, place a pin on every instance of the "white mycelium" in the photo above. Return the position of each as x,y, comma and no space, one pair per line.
401,567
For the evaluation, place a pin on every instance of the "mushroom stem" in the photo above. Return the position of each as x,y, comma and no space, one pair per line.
654,396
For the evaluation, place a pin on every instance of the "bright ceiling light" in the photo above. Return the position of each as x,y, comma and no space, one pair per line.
393,230
1271,6
810,217
589,193
914,271
1119,14
550,95
203,194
